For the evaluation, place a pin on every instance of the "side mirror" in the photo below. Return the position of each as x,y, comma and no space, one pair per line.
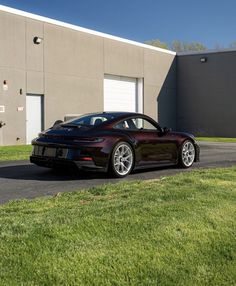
166,130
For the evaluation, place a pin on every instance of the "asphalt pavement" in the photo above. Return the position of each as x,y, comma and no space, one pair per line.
21,179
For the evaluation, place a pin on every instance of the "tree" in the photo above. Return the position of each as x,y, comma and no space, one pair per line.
218,47
157,43
232,45
179,46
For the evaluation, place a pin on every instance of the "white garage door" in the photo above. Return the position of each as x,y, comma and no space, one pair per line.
33,116
120,93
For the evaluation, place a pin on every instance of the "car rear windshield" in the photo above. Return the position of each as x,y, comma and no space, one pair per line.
89,120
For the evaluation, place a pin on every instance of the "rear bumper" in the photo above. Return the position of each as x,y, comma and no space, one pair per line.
56,162
55,154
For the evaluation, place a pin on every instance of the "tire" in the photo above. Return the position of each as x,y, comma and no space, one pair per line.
187,154
122,160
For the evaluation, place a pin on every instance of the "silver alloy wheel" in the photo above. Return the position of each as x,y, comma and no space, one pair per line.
123,159
188,154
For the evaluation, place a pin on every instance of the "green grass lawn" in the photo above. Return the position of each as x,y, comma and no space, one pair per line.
178,230
216,139
11,153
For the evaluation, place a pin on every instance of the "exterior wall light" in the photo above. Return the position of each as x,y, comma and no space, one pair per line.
37,40
5,85
203,60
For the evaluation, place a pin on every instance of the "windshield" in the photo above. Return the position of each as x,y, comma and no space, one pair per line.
89,120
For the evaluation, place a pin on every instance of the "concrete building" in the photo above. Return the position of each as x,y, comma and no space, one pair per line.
50,69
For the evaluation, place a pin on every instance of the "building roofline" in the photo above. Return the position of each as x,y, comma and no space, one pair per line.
206,52
80,29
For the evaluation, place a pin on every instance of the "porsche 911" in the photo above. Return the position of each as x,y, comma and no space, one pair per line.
114,142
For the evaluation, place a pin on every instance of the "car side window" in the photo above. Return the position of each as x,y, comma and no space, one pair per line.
90,120
122,125
97,120
136,124
143,124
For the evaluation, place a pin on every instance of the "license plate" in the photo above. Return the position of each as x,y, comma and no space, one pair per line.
62,153
38,150
50,152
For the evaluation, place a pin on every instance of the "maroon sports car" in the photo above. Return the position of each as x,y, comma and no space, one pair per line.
118,142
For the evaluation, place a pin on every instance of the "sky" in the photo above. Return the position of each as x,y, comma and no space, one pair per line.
211,22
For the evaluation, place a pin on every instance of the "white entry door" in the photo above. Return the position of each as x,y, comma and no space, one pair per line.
34,116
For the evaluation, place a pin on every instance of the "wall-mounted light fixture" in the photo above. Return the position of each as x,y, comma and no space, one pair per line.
203,60
37,40
5,85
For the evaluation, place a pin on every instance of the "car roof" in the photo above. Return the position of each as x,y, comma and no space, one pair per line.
119,116
115,113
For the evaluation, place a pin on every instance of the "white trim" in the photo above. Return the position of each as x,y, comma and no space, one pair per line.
78,28
140,95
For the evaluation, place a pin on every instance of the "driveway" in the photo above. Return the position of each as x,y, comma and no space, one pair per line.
23,180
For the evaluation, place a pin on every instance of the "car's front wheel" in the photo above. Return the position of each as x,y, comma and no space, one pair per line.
122,160
187,154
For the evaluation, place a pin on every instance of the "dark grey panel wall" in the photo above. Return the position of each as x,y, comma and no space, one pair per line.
167,101
206,94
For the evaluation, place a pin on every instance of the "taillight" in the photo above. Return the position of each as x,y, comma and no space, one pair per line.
89,140
86,159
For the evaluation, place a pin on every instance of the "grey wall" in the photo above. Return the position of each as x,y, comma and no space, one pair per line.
160,87
68,68
12,69
206,94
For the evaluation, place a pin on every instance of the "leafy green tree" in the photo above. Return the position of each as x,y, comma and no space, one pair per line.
218,47
157,43
179,46
232,45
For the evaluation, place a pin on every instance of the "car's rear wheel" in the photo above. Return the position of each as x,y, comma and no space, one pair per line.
122,160
187,154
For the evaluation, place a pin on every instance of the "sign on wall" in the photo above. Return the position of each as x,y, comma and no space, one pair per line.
2,108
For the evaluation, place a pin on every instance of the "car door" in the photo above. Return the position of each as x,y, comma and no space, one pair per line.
152,145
